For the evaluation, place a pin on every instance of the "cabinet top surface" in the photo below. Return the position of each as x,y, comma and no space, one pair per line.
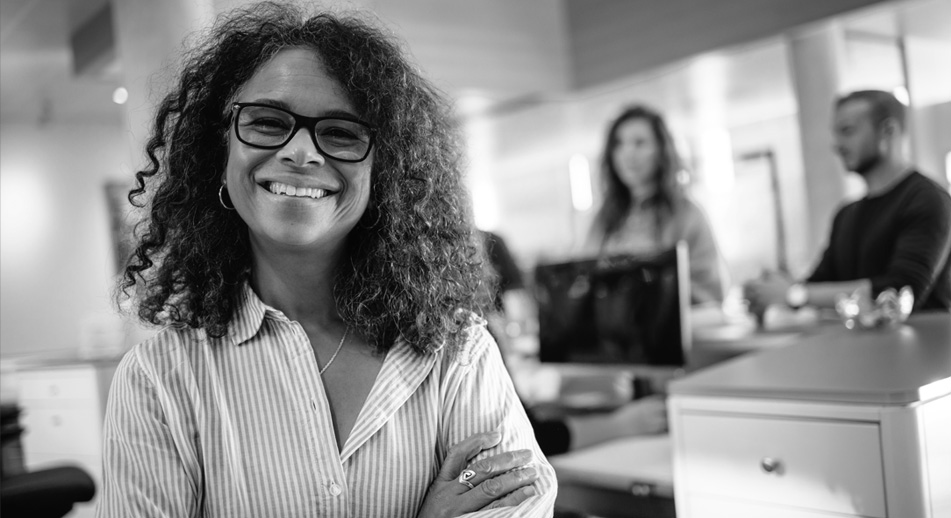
45,363
880,366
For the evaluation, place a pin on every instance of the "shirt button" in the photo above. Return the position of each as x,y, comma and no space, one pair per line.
335,489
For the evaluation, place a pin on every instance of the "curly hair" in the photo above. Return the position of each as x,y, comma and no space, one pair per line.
413,268
617,197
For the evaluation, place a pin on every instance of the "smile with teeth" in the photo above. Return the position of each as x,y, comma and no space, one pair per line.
297,192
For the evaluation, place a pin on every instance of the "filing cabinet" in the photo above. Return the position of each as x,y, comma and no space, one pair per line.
62,412
839,424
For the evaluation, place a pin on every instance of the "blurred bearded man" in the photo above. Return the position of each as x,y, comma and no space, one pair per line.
898,235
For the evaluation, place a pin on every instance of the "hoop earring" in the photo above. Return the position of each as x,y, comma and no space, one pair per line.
221,198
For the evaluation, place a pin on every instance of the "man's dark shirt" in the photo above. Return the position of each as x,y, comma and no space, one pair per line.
901,237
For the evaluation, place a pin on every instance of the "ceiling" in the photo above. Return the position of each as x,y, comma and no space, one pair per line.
493,52
37,82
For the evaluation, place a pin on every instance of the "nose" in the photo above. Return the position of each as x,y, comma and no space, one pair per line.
301,149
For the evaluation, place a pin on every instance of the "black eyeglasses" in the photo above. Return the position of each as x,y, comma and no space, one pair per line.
269,127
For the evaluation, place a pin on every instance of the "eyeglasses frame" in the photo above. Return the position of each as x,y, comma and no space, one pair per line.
301,121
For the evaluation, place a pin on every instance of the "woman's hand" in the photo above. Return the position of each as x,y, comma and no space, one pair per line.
645,416
639,417
502,480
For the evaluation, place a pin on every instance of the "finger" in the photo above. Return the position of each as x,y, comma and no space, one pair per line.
513,499
460,453
497,487
497,464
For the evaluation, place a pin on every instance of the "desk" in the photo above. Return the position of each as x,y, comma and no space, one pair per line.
711,347
626,478
573,388
632,477
850,423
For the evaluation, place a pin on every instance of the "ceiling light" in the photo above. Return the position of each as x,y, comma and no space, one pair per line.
901,93
120,95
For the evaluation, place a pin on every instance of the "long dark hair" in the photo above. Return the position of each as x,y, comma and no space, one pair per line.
412,268
617,198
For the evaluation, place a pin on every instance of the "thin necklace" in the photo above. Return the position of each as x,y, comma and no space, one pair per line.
339,346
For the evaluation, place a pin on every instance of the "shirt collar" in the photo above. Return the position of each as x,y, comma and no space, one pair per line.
248,317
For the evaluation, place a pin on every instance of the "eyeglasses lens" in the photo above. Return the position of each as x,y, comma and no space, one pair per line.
271,127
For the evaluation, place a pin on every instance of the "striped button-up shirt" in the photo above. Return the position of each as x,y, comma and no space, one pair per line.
241,426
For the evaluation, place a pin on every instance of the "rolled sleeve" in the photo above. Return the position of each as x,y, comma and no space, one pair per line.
144,474
483,399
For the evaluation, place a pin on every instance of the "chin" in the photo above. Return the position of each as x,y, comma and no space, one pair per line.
295,239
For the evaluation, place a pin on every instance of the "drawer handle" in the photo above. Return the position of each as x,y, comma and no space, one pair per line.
642,489
771,465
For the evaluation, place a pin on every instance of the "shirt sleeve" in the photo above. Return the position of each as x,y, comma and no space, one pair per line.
825,270
143,472
482,398
706,268
921,248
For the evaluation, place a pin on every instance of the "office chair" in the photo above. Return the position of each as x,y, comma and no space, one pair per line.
45,493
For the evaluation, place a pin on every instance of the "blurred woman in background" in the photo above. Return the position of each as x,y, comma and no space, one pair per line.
645,209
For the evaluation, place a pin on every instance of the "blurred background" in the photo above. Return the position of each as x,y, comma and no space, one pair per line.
746,86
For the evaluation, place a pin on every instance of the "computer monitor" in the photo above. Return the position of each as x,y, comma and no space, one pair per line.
625,309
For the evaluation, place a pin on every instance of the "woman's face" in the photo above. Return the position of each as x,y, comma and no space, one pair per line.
330,196
635,155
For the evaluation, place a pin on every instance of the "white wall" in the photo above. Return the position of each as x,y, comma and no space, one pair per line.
779,135
56,266
930,88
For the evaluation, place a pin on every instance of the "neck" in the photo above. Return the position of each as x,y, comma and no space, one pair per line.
885,174
299,285
642,193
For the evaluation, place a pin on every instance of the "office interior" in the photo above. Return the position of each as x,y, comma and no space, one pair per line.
747,89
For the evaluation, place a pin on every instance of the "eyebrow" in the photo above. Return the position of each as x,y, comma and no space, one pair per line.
277,103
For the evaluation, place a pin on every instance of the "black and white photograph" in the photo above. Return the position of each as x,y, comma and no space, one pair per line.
475,258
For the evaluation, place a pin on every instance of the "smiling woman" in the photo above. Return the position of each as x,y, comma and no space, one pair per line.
309,248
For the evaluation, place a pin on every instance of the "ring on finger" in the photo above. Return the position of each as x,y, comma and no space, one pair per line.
465,476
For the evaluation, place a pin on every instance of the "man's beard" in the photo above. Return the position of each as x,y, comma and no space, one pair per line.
867,163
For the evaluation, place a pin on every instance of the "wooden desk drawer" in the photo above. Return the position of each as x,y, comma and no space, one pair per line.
58,385
823,465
